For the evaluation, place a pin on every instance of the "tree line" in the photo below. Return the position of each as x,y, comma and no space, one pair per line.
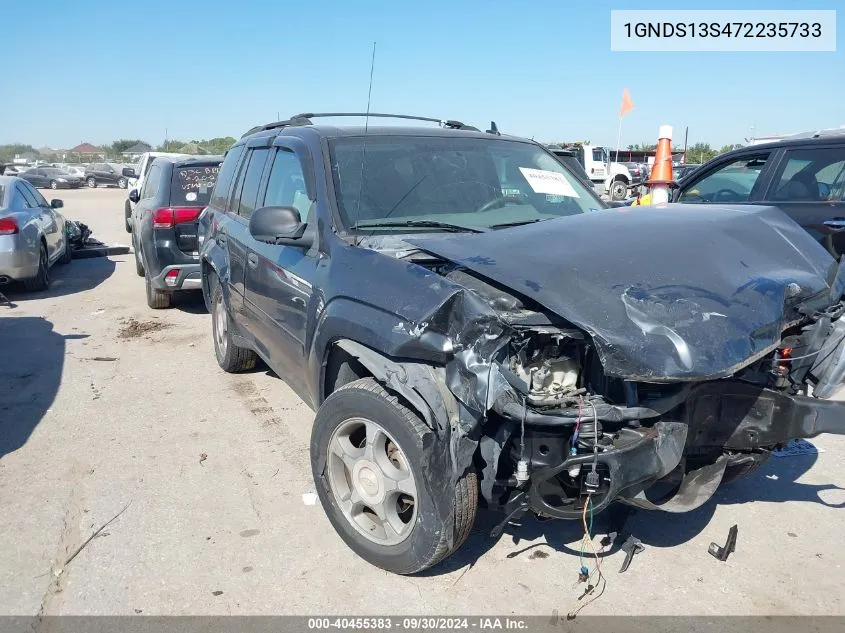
114,151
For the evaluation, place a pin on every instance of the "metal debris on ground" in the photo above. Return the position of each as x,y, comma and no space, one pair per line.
203,457
83,246
722,553
631,546
93,536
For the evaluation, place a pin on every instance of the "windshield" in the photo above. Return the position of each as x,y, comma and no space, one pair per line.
465,182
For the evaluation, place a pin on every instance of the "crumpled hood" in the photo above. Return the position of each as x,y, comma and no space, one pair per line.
672,292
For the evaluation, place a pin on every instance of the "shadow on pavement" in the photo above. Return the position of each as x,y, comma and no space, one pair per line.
78,276
774,482
31,364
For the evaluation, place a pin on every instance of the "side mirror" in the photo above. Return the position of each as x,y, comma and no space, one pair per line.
129,172
56,203
277,225
134,196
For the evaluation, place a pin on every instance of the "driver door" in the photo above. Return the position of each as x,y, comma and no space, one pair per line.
737,180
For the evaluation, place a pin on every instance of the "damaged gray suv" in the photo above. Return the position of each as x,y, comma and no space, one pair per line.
472,325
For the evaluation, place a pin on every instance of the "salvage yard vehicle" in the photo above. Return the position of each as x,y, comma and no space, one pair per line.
805,178
473,325
50,177
164,224
98,174
135,178
32,235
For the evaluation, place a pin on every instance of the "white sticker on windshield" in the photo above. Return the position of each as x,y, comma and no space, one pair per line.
190,196
552,182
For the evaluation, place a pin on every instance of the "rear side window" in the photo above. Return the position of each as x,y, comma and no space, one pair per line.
811,175
28,198
192,186
150,187
251,182
225,177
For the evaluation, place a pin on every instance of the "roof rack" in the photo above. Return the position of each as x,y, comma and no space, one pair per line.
305,119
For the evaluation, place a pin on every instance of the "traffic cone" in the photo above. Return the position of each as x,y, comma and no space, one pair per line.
660,179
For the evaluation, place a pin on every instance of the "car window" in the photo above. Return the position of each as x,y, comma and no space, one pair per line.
191,186
811,175
150,187
286,185
252,179
226,175
27,197
732,182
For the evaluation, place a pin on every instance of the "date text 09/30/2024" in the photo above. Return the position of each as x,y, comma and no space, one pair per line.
419,623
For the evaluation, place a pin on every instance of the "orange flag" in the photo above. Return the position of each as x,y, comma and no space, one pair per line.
627,103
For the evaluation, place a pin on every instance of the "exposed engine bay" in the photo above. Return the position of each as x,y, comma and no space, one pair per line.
575,435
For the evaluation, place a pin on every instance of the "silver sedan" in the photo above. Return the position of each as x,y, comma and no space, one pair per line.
32,235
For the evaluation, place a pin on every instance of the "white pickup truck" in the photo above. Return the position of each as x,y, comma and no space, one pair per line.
135,179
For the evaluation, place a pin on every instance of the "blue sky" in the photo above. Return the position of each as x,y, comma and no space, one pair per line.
97,71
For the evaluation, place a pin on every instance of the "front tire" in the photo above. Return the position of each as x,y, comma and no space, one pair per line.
618,190
41,281
91,182
368,456
139,263
230,357
67,254
121,183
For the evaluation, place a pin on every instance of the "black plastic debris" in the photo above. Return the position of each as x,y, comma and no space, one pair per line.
722,553
83,246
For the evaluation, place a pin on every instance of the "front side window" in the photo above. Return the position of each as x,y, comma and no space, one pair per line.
251,182
286,185
730,183
811,175
467,182
225,176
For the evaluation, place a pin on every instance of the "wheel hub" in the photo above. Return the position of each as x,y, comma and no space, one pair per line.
368,482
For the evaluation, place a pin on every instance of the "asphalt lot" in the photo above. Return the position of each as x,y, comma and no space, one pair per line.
82,437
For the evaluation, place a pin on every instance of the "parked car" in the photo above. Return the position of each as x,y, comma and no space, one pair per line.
639,172
75,171
135,177
805,178
683,171
51,177
467,318
98,174
164,224
32,235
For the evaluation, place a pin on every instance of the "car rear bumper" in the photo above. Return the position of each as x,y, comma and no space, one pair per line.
16,263
187,277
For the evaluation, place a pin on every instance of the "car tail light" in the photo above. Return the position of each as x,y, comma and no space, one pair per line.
171,277
169,217
8,226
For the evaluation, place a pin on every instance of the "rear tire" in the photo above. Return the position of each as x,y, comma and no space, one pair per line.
139,263
422,537
230,357
91,182
156,299
121,183
67,254
41,281
54,184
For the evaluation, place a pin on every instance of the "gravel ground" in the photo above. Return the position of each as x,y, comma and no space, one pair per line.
107,407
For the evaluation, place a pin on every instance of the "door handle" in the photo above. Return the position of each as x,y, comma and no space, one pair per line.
837,224
221,240
252,260
298,300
